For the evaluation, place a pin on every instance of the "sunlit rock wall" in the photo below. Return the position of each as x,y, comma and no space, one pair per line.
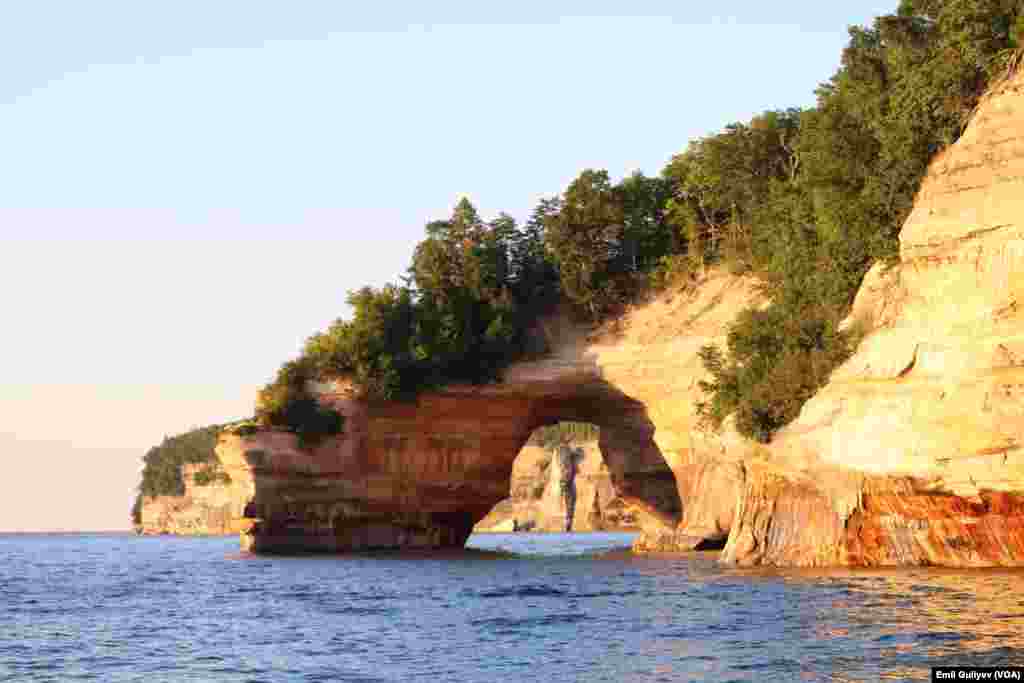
912,453
213,509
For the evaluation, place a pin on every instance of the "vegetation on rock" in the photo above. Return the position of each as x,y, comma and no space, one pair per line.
806,200
211,474
287,403
564,434
161,472
809,200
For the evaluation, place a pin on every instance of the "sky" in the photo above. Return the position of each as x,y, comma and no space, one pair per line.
188,189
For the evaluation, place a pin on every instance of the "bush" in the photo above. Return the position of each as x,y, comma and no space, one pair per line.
776,362
671,270
287,403
137,510
211,475
244,428
553,436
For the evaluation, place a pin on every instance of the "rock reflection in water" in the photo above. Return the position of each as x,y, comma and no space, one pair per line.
898,624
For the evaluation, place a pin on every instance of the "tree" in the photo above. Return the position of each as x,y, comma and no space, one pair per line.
533,274
647,233
586,237
903,91
721,182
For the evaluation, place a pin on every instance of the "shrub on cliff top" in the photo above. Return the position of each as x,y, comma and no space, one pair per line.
212,474
287,403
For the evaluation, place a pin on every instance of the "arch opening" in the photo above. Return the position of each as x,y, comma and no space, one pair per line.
560,483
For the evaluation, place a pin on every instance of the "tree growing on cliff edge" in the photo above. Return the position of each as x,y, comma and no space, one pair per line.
472,292
585,237
720,184
603,237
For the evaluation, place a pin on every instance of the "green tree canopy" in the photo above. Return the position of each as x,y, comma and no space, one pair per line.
805,199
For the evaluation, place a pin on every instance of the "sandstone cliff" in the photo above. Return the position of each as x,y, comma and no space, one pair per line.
211,509
543,483
910,455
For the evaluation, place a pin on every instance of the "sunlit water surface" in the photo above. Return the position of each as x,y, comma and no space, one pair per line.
121,608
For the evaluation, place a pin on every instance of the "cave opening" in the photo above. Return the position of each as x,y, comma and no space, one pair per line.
561,483
716,543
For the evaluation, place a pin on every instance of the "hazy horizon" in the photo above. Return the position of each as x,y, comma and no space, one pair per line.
190,190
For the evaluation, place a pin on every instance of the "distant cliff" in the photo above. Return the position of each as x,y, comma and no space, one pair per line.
213,506
568,488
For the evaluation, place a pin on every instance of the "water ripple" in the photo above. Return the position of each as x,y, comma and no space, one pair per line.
119,608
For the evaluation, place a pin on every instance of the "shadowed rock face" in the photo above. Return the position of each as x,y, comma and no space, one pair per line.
423,474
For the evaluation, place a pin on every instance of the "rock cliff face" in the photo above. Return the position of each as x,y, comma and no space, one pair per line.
539,499
423,474
912,454
213,509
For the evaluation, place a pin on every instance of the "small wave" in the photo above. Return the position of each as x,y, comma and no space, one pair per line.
603,594
779,664
522,592
354,611
342,675
500,624
943,636
301,595
373,594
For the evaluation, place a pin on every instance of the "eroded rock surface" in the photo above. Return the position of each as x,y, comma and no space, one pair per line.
410,475
538,501
912,454
213,509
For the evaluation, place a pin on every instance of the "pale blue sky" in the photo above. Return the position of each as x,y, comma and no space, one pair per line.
188,189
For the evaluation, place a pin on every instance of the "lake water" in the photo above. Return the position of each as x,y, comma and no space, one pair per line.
122,608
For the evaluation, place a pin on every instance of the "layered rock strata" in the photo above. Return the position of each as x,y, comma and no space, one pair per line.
912,454
212,509
411,475
538,499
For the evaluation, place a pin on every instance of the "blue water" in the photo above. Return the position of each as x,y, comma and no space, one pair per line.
121,608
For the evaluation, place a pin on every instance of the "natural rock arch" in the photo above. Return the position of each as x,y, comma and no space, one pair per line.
417,475
420,474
